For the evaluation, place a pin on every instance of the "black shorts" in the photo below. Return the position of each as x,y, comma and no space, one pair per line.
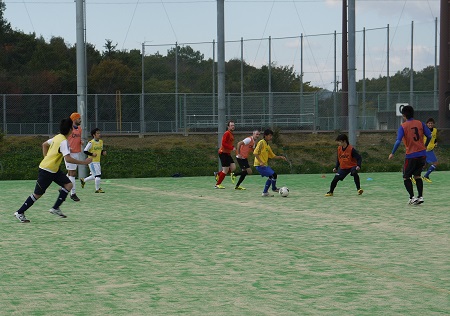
243,163
342,173
225,159
413,166
46,178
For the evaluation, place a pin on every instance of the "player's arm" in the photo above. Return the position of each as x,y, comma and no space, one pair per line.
87,152
238,148
400,134
358,158
46,146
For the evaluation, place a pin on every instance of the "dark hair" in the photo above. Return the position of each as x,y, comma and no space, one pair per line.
342,138
230,121
408,111
65,126
95,130
268,132
431,120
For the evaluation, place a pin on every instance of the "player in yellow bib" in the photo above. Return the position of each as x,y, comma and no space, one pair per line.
432,160
263,153
94,149
54,150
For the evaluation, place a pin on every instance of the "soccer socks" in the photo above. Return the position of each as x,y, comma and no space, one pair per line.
91,177
221,177
274,183
267,185
72,179
357,181
419,185
28,203
97,183
409,186
241,178
430,170
333,184
61,198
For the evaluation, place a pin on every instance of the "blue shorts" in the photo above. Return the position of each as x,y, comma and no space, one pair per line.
431,157
265,171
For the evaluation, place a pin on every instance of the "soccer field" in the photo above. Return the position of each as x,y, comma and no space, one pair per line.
167,246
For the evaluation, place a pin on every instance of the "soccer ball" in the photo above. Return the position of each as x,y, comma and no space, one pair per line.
284,191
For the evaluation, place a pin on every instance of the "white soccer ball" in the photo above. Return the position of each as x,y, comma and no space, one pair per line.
284,191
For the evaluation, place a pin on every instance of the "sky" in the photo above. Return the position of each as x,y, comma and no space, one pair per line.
159,24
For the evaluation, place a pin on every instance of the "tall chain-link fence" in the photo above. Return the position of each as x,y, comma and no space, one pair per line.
28,114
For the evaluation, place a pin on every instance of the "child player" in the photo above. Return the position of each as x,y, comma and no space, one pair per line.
94,149
262,154
348,162
431,157
243,149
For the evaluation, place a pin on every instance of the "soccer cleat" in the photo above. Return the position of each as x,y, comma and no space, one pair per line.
21,217
427,179
413,180
57,212
413,201
329,194
419,200
240,188
216,175
360,191
219,186
82,182
99,191
266,194
276,190
75,197
233,178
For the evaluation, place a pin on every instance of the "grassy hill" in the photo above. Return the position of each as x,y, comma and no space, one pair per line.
196,154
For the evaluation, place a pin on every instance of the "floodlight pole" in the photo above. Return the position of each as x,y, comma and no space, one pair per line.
81,75
220,71
352,101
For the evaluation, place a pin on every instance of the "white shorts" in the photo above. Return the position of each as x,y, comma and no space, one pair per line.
73,166
96,169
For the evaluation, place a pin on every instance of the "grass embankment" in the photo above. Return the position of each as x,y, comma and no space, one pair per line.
196,155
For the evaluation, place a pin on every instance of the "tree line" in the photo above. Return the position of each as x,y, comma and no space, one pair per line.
30,65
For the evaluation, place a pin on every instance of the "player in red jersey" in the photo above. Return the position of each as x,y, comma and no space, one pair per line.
225,150
412,133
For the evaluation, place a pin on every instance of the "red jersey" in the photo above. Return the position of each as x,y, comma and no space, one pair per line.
75,140
413,136
345,158
227,143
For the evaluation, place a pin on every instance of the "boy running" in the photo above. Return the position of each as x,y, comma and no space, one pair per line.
49,171
262,154
94,148
75,143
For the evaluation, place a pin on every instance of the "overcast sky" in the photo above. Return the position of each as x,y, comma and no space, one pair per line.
129,23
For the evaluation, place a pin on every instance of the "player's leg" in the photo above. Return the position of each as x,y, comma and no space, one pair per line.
339,176
66,185
408,173
354,173
244,165
226,161
432,160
